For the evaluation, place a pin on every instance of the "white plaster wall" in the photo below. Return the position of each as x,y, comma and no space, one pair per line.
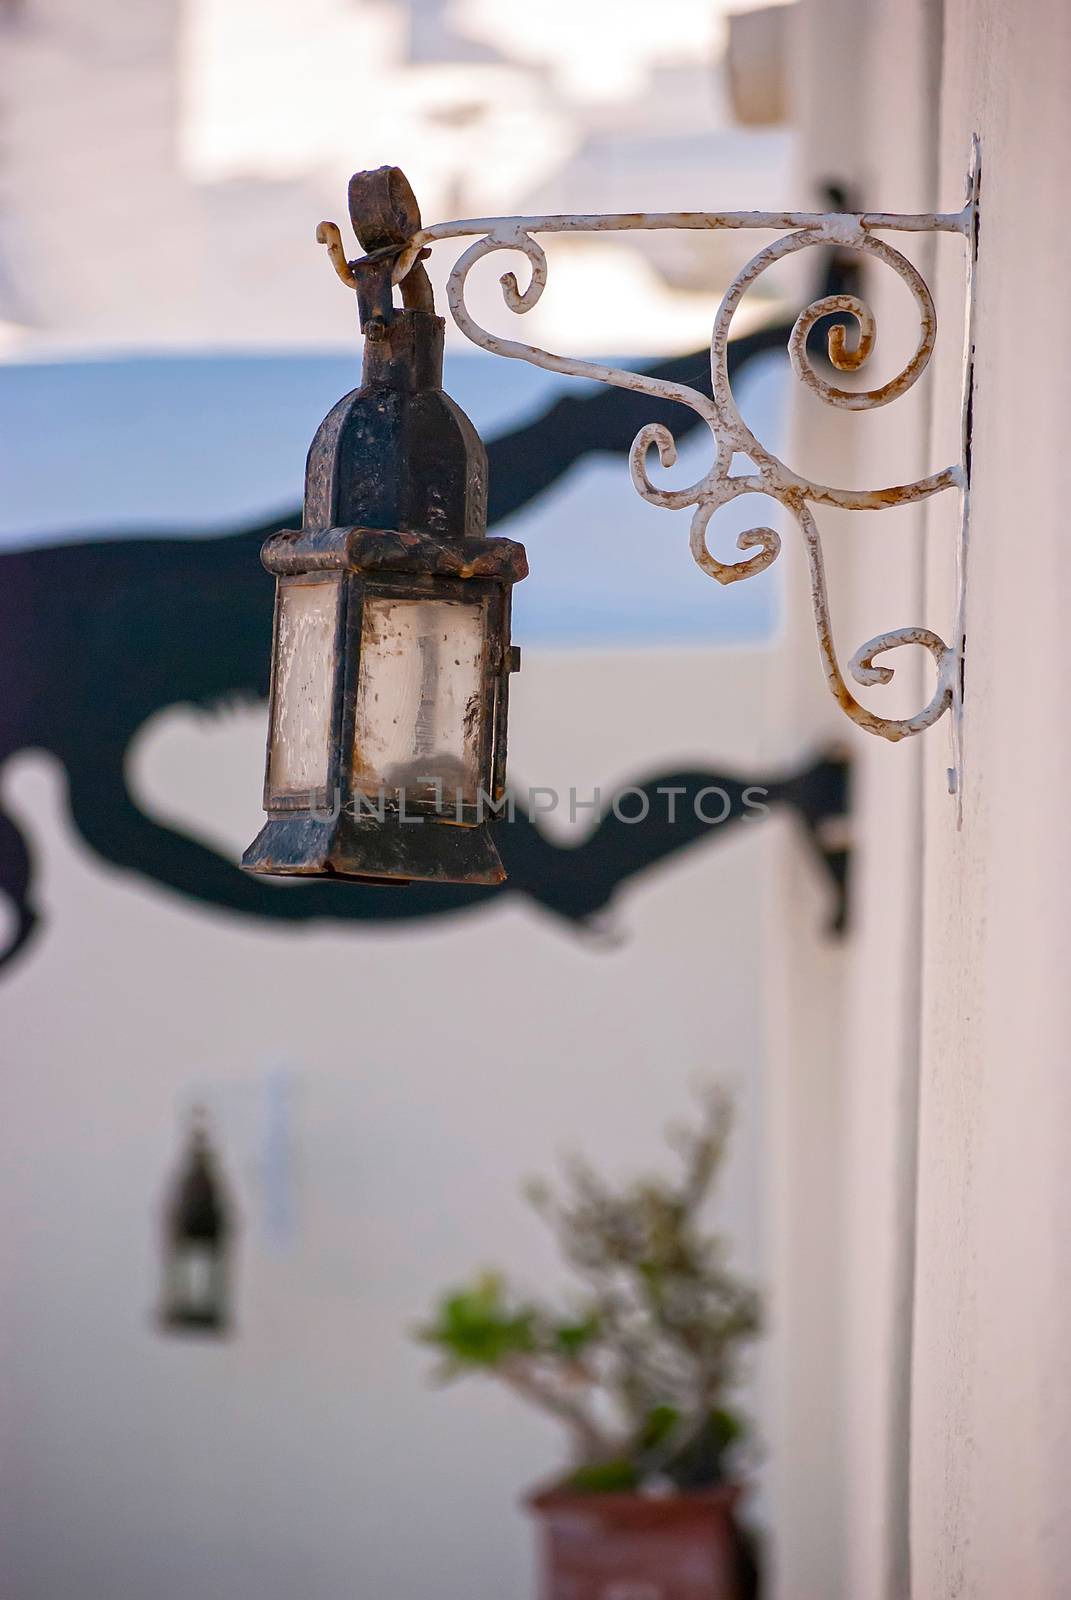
954,1445
802,1371
991,1423
901,57
428,1071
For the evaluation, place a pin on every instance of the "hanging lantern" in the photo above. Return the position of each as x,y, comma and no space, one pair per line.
387,722
196,1292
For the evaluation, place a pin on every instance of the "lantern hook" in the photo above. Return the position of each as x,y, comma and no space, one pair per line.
385,217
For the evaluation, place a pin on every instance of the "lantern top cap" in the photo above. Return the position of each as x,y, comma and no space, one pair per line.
383,208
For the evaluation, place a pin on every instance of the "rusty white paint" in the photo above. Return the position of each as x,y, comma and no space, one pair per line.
800,230
832,223
327,233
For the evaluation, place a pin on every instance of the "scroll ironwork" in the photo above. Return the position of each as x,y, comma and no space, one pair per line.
731,436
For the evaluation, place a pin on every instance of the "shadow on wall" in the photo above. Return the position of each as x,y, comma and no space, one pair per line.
103,634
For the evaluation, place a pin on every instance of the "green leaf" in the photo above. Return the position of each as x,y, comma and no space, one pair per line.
570,1338
477,1327
700,1461
658,1426
606,1477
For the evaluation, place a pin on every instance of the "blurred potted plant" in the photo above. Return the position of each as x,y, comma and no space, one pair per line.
639,1369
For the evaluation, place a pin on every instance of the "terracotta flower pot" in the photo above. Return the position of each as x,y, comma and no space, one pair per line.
637,1547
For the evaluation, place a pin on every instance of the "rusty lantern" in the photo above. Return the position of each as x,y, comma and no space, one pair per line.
387,720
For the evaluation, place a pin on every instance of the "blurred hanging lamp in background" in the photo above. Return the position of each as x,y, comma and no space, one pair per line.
197,1237
387,722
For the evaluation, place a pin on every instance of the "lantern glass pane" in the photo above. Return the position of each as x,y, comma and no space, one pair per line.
304,682
420,699
195,1278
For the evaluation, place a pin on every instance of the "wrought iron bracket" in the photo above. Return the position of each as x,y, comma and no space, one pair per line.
402,240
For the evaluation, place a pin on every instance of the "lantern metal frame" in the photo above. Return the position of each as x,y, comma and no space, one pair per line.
356,569
395,510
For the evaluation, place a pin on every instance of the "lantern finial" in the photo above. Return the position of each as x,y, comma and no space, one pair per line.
385,216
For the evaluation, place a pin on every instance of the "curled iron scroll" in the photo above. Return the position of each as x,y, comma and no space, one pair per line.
773,477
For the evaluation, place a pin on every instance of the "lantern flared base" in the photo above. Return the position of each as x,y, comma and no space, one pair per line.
214,1323
390,852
